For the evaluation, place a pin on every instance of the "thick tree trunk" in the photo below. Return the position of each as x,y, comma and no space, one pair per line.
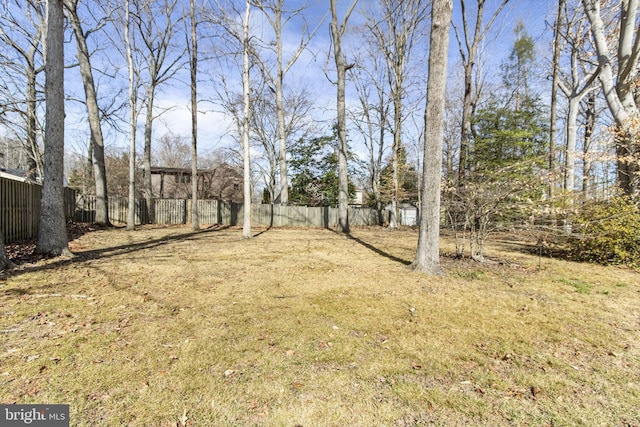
93,114
4,261
52,235
427,258
618,90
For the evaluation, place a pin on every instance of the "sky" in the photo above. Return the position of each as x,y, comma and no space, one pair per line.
308,72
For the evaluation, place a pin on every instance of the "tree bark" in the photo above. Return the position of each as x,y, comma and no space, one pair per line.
337,31
131,212
93,114
52,234
554,100
619,89
427,258
4,261
193,66
246,158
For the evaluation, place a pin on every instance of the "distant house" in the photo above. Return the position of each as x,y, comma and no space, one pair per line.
222,183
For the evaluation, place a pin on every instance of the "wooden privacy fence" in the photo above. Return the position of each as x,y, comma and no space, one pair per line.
20,208
178,211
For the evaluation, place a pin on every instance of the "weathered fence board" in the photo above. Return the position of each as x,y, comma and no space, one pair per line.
20,208
178,211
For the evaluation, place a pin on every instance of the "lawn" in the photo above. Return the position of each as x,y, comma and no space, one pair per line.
306,327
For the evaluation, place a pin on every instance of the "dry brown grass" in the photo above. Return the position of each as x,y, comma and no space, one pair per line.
165,327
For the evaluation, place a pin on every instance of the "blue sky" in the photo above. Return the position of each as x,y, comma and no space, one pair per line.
309,69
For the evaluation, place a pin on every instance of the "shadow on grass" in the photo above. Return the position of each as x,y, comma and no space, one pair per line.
84,256
378,250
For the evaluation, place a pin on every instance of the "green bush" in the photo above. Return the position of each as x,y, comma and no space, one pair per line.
607,232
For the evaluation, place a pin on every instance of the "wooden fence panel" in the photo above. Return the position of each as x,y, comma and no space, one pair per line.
178,211
20,208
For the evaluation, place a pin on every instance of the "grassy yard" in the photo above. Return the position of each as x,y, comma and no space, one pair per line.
166,327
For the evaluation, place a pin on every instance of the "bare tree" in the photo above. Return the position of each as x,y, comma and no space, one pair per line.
554,97
133,103
93,111
618,79
52,233
246,123
397,30
337,31
468,45
156,26
577,84
193,68
427,258
371,85
24,36
265,128
277,17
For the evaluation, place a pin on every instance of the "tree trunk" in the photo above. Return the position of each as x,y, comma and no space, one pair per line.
590,123
195,219
572,136
131,212
469,51
52,235
32,130
148,128
554,100
427,254
341,69
618,90
93,114
246,158
4,261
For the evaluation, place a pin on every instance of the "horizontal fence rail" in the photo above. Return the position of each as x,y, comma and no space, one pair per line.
20,208
178,211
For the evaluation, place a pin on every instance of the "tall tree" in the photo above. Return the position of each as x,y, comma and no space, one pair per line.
468,46
554,96
24,36
246,123
193,68
427,258
156,27
576,85
397,31
133,103
618,78
278,16
93,111
370,119
52,233
337,31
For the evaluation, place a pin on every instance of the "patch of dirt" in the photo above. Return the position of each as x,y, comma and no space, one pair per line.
23,251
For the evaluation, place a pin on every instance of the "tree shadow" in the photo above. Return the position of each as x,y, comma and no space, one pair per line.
104,253
377,250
